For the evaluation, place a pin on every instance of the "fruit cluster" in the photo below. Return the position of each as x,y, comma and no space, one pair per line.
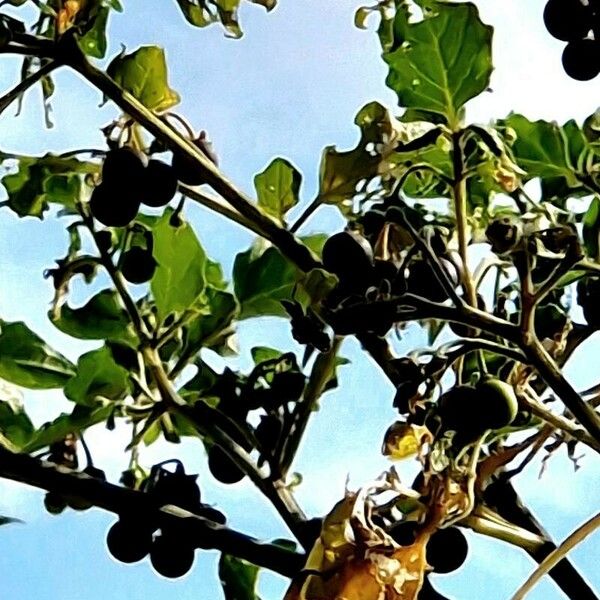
363,277
271,388
130,178
172,552
576,22
447,549
470,411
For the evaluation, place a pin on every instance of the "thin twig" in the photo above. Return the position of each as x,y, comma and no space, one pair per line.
557,555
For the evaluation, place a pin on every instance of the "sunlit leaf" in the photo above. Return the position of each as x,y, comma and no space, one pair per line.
38,182
277,188
102,317
143,74
180,276
545,149
98,376
442,61
26,360
15,425
80,419
238,578
94,42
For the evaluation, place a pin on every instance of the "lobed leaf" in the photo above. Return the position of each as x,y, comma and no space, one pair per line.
442,61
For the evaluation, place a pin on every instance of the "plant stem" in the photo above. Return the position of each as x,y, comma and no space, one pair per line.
120,500
26,83
281,497
459,195
322,371
300,254
552,375
557,555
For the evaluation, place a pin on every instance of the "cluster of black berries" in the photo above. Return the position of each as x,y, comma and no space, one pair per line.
133,536
365,278
576,22
272,388
130,179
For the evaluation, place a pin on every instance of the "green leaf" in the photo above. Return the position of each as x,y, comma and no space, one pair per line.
441,62
44,180
262,353
545,149
238,578
26,360
213,326
79,420
15,425
180,276
143,74
262,277
98,376
94,42
102,318
591,229
277,188
196,14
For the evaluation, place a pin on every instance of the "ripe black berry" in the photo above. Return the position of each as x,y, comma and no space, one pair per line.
138,265
222,467
171,557
581,59
160,184
447,550
129,541
113,206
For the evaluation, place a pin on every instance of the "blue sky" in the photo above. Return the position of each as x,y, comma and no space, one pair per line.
291,86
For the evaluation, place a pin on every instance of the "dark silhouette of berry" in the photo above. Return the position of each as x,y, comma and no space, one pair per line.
160,184
112,206
54,503
581,59
178,488
403,532
129,541
588,297
567,19
421,280
125,168
138,265
447,550
503,234
349,256
287,386
171,557
222,467
269,431
460,410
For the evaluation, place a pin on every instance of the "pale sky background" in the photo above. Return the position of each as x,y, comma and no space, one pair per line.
292,85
